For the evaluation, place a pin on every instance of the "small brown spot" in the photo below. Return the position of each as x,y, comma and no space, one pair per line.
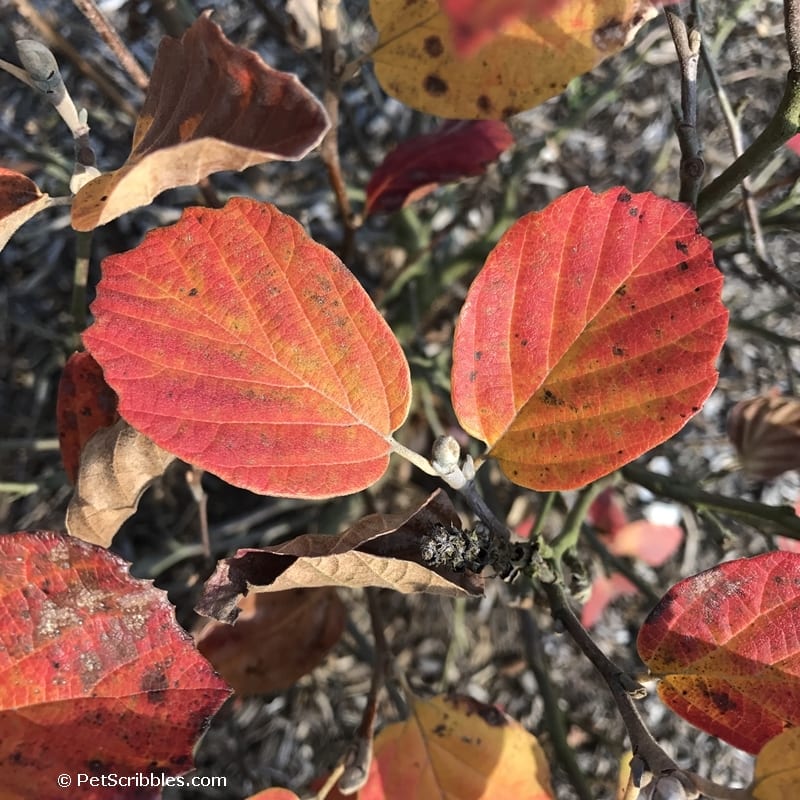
622,291
610,36
434,85
433,46
472,376
440,729
551,400
683,266
192,292
633,211
617,350
484,103
722,701
478,355
624,197
154,684
682,246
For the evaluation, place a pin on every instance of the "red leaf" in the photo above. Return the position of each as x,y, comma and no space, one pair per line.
475,22
240,345
794,143
419,165
85,404
606,512
604,591
589,336
95,674
726,646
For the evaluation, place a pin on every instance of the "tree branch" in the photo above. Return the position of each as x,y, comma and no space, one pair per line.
329,149
687,45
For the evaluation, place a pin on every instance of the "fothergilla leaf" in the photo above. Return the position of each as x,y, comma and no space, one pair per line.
589,336
240,345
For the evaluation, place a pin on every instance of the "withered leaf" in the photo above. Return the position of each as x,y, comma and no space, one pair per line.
210,106
117,465
380,550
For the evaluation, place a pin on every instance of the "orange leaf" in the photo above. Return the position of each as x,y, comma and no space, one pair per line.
726,646
240,345
96,676
210,106
475,22
421,164
274,793
455,747
276,639
382,550
589,336
85,404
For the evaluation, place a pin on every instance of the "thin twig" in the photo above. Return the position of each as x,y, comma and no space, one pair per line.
553,716
360,755
791,16
329,149
619,682
783,125
762,260
109,35
687,45
778,519
568,535
80,279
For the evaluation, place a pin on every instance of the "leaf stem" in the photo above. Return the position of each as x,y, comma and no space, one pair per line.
80,278
413,456
567,538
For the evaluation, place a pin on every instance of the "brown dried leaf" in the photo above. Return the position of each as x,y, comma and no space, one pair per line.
278,638
380,550
766,434
210,106
20,200
117,465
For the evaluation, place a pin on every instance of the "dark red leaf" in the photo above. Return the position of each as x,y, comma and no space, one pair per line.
85,404
418,166
96,676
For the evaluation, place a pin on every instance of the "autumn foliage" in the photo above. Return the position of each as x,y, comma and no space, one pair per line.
233,341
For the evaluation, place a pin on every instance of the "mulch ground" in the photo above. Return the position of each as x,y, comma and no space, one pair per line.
612,127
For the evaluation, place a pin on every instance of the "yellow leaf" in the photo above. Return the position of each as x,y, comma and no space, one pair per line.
528,62
777,774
